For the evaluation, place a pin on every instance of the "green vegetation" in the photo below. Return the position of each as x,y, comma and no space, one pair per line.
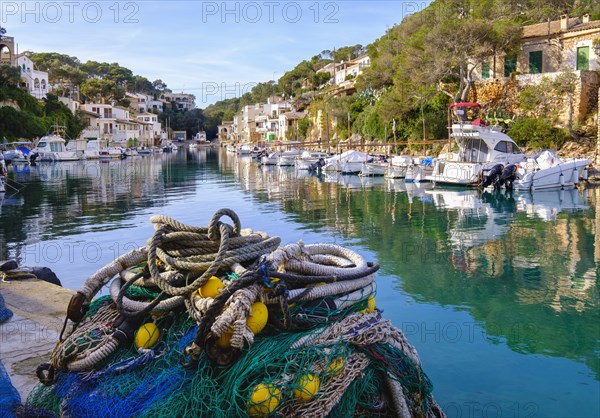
538,133
417,68
23,116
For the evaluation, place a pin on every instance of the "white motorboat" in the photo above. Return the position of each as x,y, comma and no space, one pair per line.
53,148
244,149
19,152
111,153
419,171
374,168
480,147
349,162
288,158
200,143
547,171
144,151
270,159
308,158
397,169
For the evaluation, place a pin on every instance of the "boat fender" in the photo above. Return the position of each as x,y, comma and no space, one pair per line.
585,174
561,180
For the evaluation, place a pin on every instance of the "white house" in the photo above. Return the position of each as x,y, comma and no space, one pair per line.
182,101
155,128
32,80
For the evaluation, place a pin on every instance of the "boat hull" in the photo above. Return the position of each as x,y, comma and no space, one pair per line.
565,175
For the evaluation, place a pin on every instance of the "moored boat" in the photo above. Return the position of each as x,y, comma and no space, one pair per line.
53,148
480,147
349,162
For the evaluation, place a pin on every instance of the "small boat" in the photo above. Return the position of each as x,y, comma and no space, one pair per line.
200,141
131,152
288,158
111,153
53,148
144,151
308,158
375,167
244,149
397,169
270,159
349,162
420,171
169,147
546,171
19,152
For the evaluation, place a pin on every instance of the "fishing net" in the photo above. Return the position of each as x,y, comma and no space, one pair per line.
222,322
5,313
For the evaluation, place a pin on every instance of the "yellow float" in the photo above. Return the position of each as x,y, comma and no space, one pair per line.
146,336
306,387
259,314
335,367
211,288
264,399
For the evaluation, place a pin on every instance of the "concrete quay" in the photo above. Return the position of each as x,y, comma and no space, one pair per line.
28,338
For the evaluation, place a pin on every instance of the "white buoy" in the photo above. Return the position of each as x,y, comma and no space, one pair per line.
561,180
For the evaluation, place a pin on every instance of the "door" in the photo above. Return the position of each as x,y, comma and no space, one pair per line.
583,58
535,62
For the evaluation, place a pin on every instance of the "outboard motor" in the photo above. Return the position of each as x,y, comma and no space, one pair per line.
316,166
492,176
508,176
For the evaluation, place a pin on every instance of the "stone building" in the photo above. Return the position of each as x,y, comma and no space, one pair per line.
549,48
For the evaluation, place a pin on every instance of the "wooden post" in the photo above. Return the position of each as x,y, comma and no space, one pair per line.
598,137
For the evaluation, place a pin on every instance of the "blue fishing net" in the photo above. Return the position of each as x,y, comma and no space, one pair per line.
5,313
9,397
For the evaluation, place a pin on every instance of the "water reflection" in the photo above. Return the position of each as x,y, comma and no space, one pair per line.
521,268
506,258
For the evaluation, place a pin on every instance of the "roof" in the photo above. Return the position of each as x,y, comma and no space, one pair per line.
553,27
294,115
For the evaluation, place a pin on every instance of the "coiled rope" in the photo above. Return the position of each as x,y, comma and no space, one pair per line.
180,259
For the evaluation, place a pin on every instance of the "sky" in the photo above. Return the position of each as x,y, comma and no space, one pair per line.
213,49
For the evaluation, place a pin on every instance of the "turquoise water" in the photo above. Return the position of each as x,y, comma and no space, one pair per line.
498,293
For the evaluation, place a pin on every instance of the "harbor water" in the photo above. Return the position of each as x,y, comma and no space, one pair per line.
498,292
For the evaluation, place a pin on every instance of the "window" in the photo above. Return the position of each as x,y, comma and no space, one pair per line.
510,65
583,58
535,62
485,70
501,146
